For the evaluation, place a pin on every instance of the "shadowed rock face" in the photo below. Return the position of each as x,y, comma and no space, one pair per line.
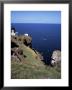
27,40
27,43
16,42
17,52
13,44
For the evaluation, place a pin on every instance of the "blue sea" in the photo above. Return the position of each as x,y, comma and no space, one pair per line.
45,37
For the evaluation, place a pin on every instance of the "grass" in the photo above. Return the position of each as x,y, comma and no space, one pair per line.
25,71
32,67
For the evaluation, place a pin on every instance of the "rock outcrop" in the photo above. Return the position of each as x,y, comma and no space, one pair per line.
56,57
16,42
27,40
17,52
26,62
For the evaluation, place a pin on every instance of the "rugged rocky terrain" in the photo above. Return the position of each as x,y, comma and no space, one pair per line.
18,43
26,63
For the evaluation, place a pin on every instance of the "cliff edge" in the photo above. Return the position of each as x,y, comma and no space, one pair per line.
26,63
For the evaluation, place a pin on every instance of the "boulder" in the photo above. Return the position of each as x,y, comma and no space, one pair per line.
56,57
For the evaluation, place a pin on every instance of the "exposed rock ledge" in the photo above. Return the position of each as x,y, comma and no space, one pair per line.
17,52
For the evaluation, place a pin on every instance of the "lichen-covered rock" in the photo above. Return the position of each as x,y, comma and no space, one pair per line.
56,57
21,39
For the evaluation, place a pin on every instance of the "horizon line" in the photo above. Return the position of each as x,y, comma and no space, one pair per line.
38,23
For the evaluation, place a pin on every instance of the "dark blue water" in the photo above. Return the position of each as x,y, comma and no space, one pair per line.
45,37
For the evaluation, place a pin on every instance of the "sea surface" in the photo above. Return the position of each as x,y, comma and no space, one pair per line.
45,37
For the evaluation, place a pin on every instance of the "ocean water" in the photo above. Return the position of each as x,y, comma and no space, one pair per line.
45,37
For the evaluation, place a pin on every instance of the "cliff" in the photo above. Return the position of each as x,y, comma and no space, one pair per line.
18,46
26,63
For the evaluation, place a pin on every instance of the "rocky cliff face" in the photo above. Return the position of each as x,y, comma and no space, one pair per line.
26,62
27,40
17,47
56,57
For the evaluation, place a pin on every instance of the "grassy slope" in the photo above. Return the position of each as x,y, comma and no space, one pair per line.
32,68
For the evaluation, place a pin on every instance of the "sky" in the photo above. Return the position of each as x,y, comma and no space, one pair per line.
50,17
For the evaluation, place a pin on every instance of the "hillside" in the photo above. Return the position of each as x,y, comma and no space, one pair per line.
27,63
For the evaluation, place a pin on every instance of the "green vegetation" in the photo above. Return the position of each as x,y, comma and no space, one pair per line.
27,71
31,66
